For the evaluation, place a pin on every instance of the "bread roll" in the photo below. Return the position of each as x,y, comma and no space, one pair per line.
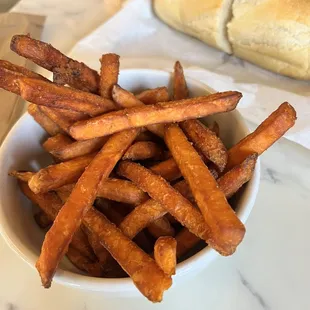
205,20
274,34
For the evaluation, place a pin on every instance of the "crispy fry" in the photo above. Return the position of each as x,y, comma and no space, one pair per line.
185,190
83,263
121,191
161,191
126,99
24,176
267,133
145,273
42,220
161,227
185,241
55,176
78,148
54,96
206,142
51,204
180,90
215,128
144,150
163,112
108,74
79,202
168,169
165,254
65,69
154,95
58,141
226,228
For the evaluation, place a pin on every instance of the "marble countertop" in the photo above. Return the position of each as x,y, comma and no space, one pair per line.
270,269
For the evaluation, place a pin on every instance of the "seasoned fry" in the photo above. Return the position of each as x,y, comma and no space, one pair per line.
42,220
79,202
168,169
163,112
185,241
165,254
226,229
145,273
180,90
121,191
161,227
154,95
162,192
267,133
51,204
78,148
65,69
83,263
58,141
206,142
108,74
45,122
144,150
54,96
215,128
55,176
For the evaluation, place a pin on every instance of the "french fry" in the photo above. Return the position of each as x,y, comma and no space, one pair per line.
154,95
165,254
42,220
54,96
121,191
166,196
78,148
180,90
144,150
185,241
109,74
45,122
65,69
24,176
83,263
161,227
168,169
163,112
145,273
58,141
227,231
215,128
51,204
126,99
147,136
55,176
79,202
267,133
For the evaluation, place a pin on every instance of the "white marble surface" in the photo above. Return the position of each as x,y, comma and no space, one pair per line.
269,271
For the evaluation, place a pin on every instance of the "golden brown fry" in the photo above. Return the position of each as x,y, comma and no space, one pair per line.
42,220
144,150
54,96
121,191
108,74
227,231
165,254
215,128
180,90
78,148
161,227
163,112
45,122
65,69
168,169
24,176
126,99
206,142
161,191
154,95
55,176
83,263
79,202
267,133
58,141
145,273
185,241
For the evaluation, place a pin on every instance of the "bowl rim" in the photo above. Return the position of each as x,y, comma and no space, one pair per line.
77,280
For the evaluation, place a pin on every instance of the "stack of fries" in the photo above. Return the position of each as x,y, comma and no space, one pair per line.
95,199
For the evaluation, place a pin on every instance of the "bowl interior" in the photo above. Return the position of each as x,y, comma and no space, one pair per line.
22,150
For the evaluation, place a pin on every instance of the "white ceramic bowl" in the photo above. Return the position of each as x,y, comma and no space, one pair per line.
22,150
